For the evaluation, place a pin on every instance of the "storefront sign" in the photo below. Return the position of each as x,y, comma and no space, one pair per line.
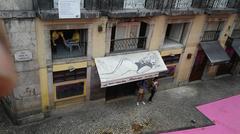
134,4
24,55
120,69
69,9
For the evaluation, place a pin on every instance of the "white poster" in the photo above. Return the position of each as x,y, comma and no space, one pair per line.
69,9
115,70
134,4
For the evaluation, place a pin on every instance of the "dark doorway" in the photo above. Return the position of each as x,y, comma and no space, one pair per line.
227,68
199,66
121,91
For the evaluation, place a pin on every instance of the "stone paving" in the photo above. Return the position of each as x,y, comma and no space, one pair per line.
172,109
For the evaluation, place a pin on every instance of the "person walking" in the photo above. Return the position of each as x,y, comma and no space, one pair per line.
153,89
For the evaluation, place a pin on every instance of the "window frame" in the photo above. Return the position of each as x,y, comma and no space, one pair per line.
68,83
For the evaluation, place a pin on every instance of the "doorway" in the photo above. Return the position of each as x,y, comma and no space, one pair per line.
199,66
122,90
227,68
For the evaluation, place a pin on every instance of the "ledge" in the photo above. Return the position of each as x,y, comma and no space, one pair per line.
6,14
221,11
53,14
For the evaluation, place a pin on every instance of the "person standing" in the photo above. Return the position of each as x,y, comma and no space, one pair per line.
153,89
141,91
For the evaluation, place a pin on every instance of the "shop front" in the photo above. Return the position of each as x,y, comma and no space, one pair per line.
232,50
209,56
119,74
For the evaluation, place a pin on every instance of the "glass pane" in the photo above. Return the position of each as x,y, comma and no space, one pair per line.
70,90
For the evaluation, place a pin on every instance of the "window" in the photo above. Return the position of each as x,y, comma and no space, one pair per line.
55,3
236,31
175,35
68,43
69,83
171,62
134,4
128,36
70,90
213,30
67,75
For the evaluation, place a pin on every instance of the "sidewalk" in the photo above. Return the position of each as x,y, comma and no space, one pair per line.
172,109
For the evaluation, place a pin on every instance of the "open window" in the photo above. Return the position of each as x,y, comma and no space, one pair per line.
213,30
128,36
176,35
68,43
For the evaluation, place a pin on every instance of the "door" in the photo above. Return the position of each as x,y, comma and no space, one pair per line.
227,68
199,66
122,90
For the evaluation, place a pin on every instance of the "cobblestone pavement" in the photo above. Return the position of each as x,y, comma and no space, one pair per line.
172,109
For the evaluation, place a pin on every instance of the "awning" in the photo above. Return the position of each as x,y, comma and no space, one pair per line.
115,70
236,46
215,52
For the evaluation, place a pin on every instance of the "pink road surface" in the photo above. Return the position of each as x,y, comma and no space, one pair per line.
225,114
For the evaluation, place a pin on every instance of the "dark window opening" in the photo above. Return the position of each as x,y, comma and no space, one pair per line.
129,36
176,34
171,62
68,43
67,75
213,31
69,90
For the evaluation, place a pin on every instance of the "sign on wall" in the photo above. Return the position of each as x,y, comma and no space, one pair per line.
134,4
69,9
24,55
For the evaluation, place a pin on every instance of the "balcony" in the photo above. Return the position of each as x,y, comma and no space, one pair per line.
128,44
210,35
138,8
48,9
219,6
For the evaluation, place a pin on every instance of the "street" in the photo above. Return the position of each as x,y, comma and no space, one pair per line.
171,110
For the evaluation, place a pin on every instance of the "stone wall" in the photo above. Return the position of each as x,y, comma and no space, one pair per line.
26,95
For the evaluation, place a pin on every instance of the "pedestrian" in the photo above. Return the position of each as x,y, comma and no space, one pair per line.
140,96
153,89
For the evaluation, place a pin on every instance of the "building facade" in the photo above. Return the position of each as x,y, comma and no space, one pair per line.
55,57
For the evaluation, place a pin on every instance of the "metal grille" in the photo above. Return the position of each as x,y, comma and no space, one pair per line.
128,44
210,35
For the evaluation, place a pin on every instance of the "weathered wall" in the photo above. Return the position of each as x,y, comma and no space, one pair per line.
99,38
22,36
16,5
158,34
196,31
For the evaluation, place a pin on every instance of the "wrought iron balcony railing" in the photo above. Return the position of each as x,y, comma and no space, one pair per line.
128,44
211,35
216,4
71,51
109,5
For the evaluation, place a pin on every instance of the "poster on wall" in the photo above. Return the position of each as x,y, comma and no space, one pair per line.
68,9
120,69
134,4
